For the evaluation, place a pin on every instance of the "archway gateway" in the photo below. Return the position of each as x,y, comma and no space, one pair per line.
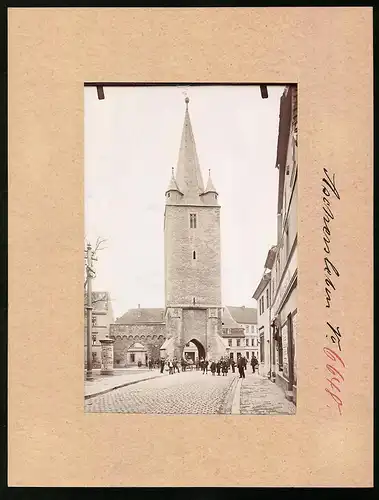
200,349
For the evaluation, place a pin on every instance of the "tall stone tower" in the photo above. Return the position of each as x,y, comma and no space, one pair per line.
192,256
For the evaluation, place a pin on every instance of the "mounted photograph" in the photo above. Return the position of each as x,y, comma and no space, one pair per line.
190,248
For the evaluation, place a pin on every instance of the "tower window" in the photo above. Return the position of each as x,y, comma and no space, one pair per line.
194,301
194,254
168,195
193,221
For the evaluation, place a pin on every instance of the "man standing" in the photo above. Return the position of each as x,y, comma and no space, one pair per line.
233,364
254,362
241,363
218,367
162,365
205,367
176,365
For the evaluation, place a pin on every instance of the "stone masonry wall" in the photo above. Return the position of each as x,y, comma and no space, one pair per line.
187,278
127,335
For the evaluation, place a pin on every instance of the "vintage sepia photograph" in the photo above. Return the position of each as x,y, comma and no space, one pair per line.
190,261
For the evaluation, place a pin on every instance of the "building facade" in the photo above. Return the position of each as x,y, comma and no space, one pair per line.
192,257
239,329
102,318
284,268
262,295
138,335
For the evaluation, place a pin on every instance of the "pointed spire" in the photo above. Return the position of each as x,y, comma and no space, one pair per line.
188,174
210,187
173,186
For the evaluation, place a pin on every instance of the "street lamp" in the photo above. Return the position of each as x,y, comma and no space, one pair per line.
89,312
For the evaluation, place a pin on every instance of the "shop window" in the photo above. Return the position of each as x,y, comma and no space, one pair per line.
280,353
262,346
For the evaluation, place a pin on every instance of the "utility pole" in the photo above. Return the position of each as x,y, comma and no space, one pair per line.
89,312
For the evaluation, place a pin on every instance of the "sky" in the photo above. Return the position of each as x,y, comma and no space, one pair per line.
132,140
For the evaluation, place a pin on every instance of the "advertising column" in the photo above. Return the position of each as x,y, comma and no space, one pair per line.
106,356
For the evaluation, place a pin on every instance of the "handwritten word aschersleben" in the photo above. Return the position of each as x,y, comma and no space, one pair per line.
329,188
330,192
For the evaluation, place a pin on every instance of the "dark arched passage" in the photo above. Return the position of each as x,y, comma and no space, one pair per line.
200,348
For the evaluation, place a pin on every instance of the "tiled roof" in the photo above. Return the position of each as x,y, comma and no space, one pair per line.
137,347
228,321
188,174
142,315
262,285
243,315
233,317
210,187
173,186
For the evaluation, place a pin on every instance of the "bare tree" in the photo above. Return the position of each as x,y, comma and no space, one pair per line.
99,246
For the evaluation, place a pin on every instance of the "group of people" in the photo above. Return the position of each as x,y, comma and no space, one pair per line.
223,365
152,363
171,365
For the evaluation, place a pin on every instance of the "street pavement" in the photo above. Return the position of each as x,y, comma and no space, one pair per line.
180,393
260,396
188,393
120,377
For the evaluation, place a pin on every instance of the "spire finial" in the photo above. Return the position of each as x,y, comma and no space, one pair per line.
186,100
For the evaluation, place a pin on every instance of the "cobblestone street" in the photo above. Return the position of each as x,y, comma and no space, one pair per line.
260,396
181,393
195,393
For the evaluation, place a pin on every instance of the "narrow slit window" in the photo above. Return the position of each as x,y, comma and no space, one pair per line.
194,255
193,221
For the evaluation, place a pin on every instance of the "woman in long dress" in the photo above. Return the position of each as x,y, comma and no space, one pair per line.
213,367
225,367
218,367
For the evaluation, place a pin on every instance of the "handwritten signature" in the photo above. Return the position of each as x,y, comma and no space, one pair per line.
330,192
